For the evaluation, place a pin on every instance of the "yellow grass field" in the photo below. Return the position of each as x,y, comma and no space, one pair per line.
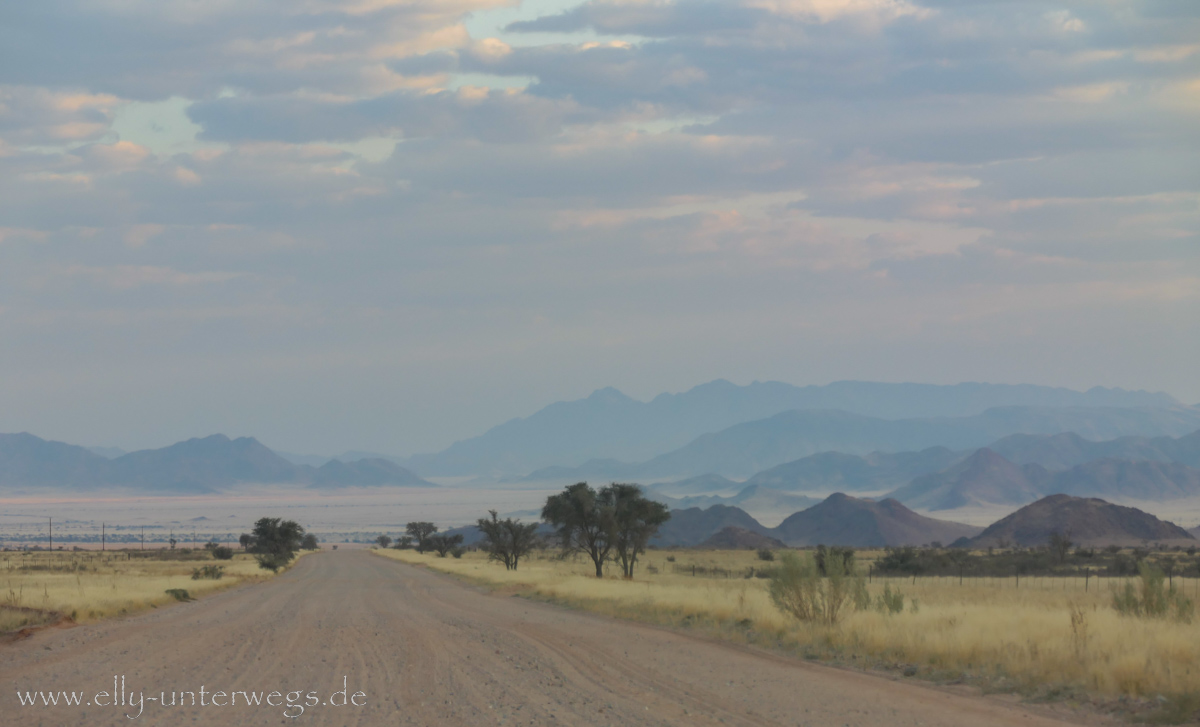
989,632
85,586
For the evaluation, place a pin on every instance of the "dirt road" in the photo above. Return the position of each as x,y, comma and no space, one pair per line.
424,649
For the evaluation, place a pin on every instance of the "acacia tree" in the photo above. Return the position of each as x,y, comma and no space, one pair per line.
1060,545
441,543
584,523
384,541
420,532
635,519
507,540
276,542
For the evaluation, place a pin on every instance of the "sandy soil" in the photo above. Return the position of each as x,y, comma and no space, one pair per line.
427,650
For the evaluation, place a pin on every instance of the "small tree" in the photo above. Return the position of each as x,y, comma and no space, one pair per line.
246,540
441,543
404,542
635,519
384,541
1060,545
420,532
276,542
309,542
584,523
507,540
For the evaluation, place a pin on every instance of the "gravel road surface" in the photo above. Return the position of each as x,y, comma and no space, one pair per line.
419,648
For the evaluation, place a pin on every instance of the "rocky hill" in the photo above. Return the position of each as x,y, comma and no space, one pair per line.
1086,521
845,520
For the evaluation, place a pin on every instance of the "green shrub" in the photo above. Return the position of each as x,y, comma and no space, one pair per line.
179,594
798,588
1152,598
211,572
890,602
766,554
222,553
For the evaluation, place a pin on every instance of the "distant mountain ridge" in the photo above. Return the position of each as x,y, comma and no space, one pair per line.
1068,449
838,471
752,498
608,425
194,466
987,478
984,477
837,520
751,447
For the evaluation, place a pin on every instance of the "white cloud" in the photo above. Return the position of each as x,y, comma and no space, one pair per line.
720,189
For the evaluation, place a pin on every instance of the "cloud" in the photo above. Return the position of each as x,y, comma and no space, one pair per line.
42,116
341,196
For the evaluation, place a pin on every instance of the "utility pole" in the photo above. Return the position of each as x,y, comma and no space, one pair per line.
143,537
51,535
101,535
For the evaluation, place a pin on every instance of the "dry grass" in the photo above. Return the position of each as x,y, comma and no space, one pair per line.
87,586
989,631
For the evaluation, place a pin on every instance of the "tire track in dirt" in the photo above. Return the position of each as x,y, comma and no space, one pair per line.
429,650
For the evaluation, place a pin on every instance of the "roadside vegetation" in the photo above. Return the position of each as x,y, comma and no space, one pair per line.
43,587
1043,636
40,587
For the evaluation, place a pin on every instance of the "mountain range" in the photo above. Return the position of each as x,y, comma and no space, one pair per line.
837,520
987,478
941,479
793,447
848,521
750,447
202,465
608,425
752,498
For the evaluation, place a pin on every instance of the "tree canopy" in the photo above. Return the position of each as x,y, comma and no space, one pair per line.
420,532
616,521
635,520
507,540
276,542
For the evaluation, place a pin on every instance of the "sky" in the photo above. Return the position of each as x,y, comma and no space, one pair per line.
389,225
